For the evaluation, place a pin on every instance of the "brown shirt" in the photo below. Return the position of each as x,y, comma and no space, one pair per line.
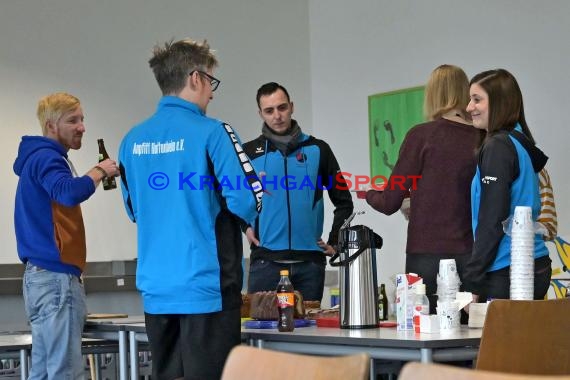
443,153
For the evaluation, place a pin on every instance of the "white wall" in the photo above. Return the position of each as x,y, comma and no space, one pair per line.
374,46
331,54
98,50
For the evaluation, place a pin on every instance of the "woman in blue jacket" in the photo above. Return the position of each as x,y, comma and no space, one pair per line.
506,177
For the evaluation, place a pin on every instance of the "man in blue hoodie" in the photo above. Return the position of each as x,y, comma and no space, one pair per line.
51,237
180,169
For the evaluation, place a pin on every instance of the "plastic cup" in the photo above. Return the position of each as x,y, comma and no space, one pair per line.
522,218
448,270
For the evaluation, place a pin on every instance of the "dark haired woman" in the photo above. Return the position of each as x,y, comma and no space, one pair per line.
506,177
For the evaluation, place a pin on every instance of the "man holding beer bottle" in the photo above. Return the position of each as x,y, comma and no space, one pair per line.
51,237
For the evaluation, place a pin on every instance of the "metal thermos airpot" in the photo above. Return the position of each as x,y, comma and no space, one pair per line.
358,283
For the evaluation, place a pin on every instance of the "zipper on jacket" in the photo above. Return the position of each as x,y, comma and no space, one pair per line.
288,200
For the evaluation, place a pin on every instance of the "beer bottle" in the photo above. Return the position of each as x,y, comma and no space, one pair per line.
382,303
108,182
285,303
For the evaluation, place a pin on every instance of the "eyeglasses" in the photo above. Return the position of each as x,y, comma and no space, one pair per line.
214,82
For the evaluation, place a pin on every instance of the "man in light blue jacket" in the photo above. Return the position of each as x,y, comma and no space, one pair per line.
188,185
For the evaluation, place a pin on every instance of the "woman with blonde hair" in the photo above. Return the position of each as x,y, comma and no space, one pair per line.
442,152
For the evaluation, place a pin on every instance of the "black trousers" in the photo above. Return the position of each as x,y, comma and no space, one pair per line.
498,283
192,346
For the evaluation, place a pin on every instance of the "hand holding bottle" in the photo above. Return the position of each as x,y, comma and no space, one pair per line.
103,172
110,166
107,165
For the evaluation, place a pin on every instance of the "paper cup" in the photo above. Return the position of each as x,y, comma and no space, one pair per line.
477,312
447,269
449,316
447,292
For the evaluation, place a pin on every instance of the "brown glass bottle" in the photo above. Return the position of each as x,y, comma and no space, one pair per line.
285,303
382,303
109,183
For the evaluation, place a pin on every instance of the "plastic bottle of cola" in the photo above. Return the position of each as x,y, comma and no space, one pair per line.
285,303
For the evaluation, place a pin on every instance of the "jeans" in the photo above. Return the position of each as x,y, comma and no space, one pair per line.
55,305
307,277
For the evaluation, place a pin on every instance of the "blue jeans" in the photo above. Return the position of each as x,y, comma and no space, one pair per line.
55,305
307,277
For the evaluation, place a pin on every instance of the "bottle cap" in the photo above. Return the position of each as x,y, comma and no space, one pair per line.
284,272
421,289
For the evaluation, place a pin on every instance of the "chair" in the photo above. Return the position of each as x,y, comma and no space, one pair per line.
260,364
526,337
415,371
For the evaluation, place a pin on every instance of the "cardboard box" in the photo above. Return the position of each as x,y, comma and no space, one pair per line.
406,285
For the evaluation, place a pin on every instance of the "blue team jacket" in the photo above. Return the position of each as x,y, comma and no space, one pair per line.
506,177
188,185
292,218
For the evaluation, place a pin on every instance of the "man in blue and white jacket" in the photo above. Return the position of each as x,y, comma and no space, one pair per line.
295,169
175,168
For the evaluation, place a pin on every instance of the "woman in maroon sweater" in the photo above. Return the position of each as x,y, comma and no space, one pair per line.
443,152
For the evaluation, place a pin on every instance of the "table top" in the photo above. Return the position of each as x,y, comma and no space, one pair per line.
132,323
15,341
378,337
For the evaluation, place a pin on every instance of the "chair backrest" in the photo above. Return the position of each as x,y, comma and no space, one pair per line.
260,364
527,337
416,371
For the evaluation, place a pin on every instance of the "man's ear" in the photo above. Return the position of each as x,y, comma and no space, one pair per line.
292,107
259,113
51,128
191,81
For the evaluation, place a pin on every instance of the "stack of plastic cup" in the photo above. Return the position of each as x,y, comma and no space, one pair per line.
447,287
522,254
447,280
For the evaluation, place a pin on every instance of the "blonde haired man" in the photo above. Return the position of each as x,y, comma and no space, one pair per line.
51,237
